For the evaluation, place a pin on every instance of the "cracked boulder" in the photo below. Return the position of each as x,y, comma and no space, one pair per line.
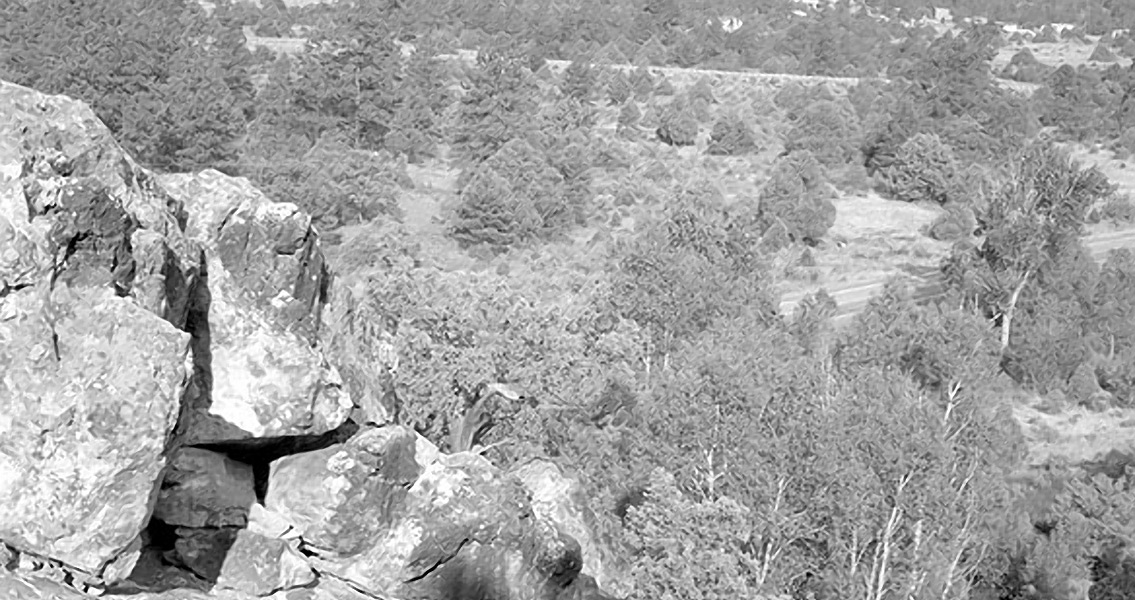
89,403
75,209
563,502
342,497
388,515
260,373
95,281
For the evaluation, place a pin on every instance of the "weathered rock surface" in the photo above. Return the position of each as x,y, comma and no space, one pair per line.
562,501
342,497
88,407
259,566
398,523
260,373
241,560
94,285
205,489
75,209
17,587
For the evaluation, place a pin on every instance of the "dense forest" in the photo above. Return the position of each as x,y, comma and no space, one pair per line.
734,452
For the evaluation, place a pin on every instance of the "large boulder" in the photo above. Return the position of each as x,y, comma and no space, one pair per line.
388,514
343,497
563,502
75,209
260,372
95,281
89,403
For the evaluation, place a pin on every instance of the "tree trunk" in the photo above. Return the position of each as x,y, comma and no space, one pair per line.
1007,316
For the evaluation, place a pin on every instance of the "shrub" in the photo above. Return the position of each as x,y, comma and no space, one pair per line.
689,549
1024,67
829,130
796,196
958,222
642,82
579,80
333,182
619,88
731,137
629,114
678,125
543,203
491,213
793,97
703,90
923,169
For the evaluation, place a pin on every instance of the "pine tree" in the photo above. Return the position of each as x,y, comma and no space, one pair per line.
498,104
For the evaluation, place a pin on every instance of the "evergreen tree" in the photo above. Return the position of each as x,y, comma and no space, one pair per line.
796,198
497,106
173,87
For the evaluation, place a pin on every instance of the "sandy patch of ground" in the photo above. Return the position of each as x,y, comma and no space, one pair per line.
1072,52
873,239
1119,171
1074,435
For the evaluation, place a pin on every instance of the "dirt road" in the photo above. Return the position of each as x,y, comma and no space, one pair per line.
852,299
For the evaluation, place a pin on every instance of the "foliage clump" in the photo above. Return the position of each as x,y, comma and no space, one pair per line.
731,136
797,198
923,169
174,89
513,197
689,549
334,182
829,130
497,105
679,126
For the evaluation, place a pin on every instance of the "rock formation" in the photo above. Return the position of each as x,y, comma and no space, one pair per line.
171,426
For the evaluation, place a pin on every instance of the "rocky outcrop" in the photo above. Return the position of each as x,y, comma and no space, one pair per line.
259,372
384,518
94,287
562,501
170,426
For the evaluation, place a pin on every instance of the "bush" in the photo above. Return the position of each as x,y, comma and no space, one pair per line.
333,182
642,82
491,213
678,125
924,169
542,201
829,130
797,197
619,88
701,90
1024,67
579,80
687,549
731,137
629,114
